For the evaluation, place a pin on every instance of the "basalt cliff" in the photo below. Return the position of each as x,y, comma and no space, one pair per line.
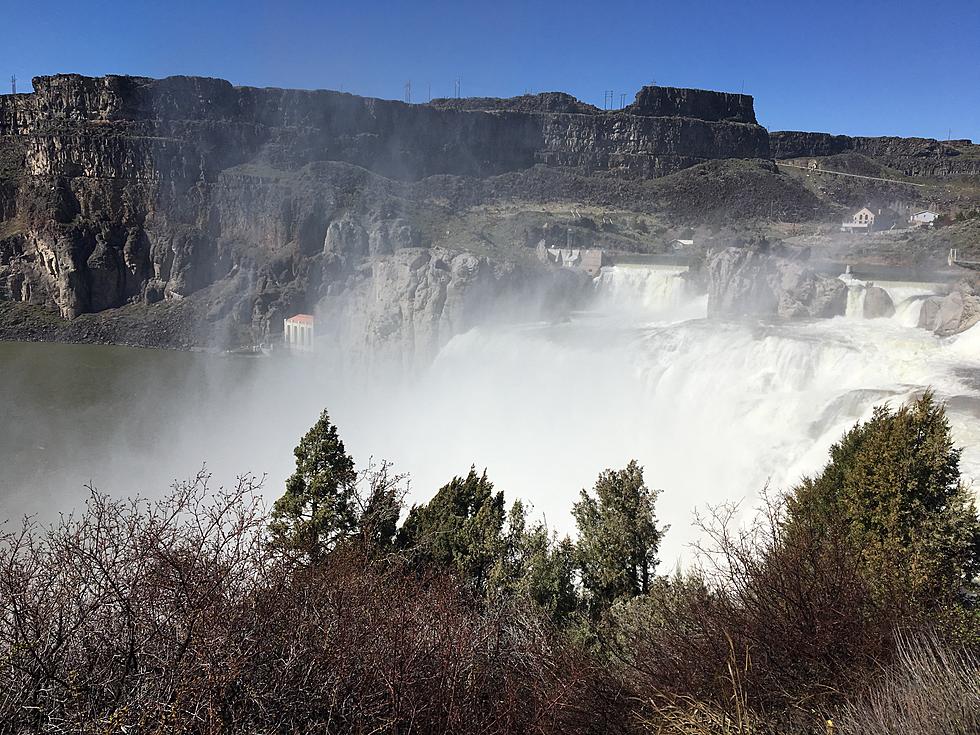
187,211
258,203
916,157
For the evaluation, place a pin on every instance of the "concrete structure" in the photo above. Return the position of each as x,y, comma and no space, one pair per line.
298,332
925,218
681,244
590,260
955,260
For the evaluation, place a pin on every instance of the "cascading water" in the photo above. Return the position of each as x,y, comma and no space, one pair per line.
856,291
713,410
907,296
654,291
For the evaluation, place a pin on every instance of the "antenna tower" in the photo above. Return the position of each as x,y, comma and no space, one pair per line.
408,91
13,84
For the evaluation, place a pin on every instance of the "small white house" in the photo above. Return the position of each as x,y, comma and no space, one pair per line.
925,218
298,332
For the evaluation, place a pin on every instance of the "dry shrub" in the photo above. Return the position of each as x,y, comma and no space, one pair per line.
102,616
177,616
931,688
790,614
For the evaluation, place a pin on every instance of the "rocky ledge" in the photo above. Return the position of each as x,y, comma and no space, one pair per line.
765,280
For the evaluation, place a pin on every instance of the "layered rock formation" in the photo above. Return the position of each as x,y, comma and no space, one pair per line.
759,280
910,156
664,130
262,202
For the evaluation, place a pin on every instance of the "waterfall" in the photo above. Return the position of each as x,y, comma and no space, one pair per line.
907,296
855,301
654,289
713,410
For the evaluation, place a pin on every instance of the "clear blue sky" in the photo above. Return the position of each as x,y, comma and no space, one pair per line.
866,67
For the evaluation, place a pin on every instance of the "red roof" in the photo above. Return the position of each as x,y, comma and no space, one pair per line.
301,318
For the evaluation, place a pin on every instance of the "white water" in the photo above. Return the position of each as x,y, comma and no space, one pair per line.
635,288
713,410
907,296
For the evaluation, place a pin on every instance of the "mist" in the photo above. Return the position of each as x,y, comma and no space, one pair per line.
713,410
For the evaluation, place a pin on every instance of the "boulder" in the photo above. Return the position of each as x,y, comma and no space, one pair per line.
877,303
951,314
957,312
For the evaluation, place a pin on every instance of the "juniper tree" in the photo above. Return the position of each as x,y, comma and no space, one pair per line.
319,505
535,566
893,489
460,528
618,536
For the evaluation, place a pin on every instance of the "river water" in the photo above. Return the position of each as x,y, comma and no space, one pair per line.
713,410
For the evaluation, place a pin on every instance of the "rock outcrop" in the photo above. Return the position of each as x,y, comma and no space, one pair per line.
400,309
259,202
910,156
951,314
764,281
877,303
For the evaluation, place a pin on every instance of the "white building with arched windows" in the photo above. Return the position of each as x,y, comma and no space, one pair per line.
298,332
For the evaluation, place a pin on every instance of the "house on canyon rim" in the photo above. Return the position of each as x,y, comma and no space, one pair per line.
868,219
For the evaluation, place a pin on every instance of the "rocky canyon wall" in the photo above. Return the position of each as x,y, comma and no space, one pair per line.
910,156
258,203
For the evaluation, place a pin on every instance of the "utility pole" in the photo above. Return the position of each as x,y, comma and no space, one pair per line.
456,88
429,91
622,100
408,91
13,84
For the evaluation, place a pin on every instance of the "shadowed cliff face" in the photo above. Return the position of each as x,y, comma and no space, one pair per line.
910,156
263,202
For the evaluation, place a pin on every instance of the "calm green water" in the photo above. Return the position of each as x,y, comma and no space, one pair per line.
131,420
